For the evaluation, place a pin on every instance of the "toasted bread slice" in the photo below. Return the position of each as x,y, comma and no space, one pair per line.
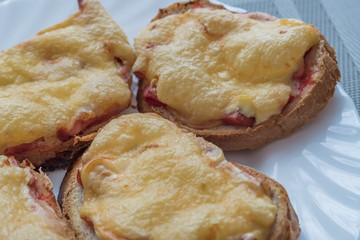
145,178
29,209
319,75
65,82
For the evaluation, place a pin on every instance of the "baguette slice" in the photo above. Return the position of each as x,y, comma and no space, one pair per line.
63,84
29,209
299,110
137,149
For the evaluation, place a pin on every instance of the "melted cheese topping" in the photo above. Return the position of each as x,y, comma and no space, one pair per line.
208,63
144,178
62,74
22,217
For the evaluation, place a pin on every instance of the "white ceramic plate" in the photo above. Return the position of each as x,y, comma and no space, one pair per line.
319,165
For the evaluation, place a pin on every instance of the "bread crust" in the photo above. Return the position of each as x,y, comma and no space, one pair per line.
285,227
181,7
305,107
70,198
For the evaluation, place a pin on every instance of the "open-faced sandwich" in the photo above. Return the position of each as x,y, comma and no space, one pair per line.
238,80
28,207
144,178
66,81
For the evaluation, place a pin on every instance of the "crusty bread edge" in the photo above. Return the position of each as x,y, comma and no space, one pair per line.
70,198
300,111
181,7
285,227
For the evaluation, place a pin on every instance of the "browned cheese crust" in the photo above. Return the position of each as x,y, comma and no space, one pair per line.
285,227
305,107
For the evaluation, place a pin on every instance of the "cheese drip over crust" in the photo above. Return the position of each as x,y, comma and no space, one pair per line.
23,217
64,73
144,178
208,63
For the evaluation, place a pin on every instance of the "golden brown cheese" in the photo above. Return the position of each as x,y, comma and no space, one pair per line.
144,178
23,217
65,72
208,63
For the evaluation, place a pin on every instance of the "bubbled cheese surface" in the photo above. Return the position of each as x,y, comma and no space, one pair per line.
22,217
144,178
65,72
208,63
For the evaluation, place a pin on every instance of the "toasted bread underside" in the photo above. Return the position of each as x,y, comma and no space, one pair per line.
302,109
286,225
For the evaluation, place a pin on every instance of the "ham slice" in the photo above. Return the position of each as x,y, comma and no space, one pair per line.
236,118
62,134
151,97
